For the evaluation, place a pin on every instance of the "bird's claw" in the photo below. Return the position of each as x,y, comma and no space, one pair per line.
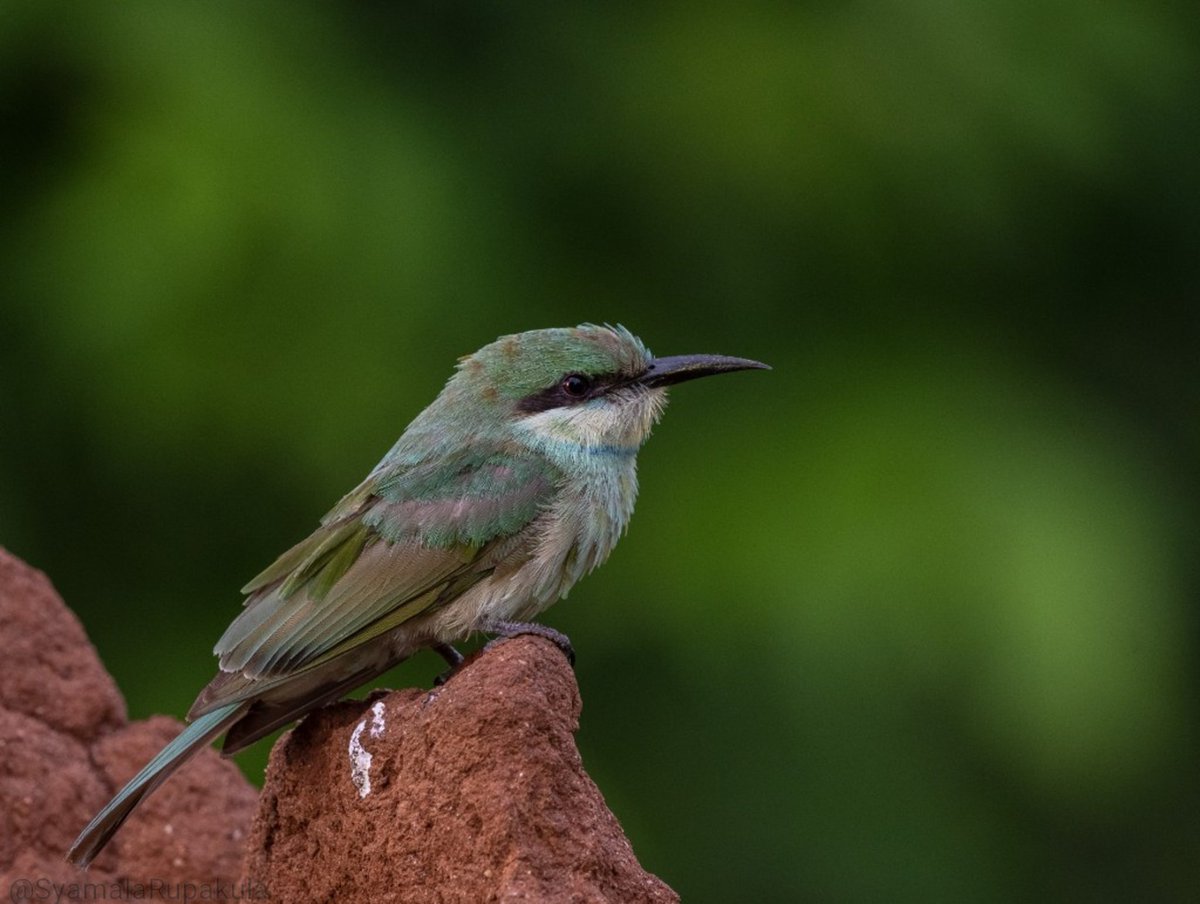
505,630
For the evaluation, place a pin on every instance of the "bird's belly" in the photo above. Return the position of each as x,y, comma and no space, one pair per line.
572,540
511,594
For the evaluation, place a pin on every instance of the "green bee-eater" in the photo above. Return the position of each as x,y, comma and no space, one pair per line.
513,484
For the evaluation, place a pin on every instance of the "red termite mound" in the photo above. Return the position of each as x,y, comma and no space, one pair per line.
473,791
66,746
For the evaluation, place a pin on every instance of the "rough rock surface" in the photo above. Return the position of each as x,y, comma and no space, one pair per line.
473,791
66,746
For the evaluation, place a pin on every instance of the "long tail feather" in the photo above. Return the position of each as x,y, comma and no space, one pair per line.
201,732
261,719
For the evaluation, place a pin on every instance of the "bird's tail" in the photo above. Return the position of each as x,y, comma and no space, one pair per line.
96,833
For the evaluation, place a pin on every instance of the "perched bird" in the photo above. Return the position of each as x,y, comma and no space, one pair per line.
513,484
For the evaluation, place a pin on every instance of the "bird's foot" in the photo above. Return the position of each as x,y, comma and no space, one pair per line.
506,629
453,658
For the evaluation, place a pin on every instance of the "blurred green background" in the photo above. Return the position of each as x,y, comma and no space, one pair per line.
911,618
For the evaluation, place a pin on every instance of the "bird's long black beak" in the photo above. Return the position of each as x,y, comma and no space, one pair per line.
677,368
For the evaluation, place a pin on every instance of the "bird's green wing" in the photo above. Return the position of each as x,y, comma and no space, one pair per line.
402,542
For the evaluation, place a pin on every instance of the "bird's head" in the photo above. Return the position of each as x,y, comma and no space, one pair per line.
587,388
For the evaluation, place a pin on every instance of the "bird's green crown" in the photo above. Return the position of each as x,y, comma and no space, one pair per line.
519,366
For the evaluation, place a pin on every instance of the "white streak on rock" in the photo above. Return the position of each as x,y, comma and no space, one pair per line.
360,757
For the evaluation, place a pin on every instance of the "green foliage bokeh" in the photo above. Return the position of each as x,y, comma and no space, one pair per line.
910,618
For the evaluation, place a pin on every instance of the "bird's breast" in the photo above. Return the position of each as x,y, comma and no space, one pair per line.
574,534
589,516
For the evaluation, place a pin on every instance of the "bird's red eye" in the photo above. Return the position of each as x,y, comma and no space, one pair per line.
576,385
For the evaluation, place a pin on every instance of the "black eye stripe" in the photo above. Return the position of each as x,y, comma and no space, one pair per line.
558,395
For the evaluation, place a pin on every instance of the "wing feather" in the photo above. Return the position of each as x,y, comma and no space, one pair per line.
403,541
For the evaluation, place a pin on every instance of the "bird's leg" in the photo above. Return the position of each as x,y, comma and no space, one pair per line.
453,658
506,629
